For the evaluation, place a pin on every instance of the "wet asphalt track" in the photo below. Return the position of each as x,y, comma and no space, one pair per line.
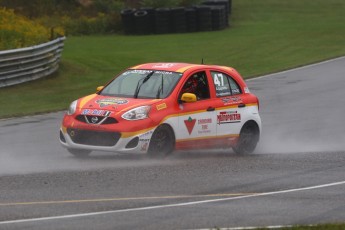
296,177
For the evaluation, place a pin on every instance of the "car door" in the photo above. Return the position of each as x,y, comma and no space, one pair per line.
230,105
197,125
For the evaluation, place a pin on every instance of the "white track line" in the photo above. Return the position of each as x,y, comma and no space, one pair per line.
170,205
249,228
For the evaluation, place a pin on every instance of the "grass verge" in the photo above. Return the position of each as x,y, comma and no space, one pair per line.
264,37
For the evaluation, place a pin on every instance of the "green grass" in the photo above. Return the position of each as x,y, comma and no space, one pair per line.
265,36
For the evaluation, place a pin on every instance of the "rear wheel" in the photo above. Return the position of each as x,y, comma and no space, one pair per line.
249,137
79,152
162,142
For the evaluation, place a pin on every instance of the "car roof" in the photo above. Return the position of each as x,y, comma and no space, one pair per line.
175,66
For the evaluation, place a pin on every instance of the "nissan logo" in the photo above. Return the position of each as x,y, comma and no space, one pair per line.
94,120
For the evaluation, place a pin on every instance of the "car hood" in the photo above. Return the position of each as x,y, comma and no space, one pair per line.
112,104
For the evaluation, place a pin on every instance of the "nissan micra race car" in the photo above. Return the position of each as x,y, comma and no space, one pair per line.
157,108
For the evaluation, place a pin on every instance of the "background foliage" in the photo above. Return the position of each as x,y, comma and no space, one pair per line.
71,17
17,31
83,17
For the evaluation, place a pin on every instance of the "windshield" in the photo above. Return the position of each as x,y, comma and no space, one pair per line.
142,84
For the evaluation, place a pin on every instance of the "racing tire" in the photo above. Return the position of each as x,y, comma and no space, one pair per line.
248,139
80,153
162,142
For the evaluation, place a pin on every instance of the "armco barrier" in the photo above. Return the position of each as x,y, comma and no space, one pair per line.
31,63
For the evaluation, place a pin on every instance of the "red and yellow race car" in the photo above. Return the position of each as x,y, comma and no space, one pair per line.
157,108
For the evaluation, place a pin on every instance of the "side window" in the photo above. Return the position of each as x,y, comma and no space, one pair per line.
224,84
197,84
235,88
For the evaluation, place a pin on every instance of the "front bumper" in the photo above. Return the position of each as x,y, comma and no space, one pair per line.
75,138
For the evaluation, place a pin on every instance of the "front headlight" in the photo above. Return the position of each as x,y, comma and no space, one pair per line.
137,113
72,108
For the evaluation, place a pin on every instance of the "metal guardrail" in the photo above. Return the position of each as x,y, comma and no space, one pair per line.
31,63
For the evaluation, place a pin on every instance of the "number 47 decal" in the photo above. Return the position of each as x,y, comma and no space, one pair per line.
218,79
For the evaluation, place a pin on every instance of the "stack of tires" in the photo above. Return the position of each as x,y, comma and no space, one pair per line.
162,21
219,17
204,17
178,20
127,17
227,4
144,21
191,20
210,15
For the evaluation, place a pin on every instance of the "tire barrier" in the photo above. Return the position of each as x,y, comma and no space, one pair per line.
178,20
191,20
204,18
147,26
127,18
226,3
219,21
143,22
210,15
163,21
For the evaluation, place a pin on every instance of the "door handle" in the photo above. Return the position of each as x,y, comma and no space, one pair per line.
241,105
210,109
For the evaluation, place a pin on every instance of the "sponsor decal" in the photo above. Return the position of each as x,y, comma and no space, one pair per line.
82,126
163,65
161,106
220,88
144,146
143,140
226,100
235,91
140,71
228,117
231,100
96,112
111,101
222,94
204,121
246,90
146,135
190,123
204,125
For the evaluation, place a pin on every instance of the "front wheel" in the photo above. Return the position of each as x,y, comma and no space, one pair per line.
80,153
249,137
162,142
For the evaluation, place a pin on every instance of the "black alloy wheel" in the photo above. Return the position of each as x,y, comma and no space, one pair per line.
162,142
249,137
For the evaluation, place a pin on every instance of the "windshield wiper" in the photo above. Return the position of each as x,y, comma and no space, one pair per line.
141,82
160,89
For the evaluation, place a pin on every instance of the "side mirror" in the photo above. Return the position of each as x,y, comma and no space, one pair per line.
99,88
188,97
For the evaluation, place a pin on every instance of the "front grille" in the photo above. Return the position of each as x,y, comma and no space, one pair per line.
97,120
96,138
